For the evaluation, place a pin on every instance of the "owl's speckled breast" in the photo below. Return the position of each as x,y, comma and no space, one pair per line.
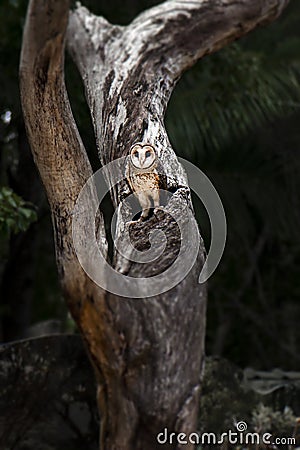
145,181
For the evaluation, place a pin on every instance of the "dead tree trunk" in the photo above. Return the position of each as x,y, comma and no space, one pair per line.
148,353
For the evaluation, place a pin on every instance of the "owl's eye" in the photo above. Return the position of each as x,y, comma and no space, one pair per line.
148,153
136,154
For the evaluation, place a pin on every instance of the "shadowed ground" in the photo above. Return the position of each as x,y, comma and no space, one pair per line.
48,397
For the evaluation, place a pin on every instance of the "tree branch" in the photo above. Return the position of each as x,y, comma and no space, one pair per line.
152,52
182,31
54,139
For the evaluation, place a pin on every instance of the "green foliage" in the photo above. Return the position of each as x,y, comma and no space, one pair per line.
265,419
15,214
227,95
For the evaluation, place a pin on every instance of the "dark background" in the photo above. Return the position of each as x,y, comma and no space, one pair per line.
235,115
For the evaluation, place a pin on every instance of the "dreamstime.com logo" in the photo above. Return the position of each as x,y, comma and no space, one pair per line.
104,275
238,437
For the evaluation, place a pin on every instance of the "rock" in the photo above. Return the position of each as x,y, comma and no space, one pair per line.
47,395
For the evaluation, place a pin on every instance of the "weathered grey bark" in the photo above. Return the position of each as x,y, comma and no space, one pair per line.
147,354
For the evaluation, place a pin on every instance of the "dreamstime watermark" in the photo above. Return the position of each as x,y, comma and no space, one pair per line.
238,437
94,262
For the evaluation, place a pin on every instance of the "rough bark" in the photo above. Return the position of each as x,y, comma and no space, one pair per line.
148,354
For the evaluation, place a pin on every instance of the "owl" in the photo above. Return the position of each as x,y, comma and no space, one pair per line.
145,176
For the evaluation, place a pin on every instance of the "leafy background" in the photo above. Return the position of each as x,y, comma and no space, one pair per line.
236,115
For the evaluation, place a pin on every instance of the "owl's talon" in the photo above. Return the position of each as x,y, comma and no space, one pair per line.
131,222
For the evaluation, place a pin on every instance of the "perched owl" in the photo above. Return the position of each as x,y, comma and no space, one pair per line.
145,176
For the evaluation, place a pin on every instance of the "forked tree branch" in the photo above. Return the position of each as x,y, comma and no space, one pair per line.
148,354
132,70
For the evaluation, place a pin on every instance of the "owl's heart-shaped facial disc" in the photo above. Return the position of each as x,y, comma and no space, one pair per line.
142,156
